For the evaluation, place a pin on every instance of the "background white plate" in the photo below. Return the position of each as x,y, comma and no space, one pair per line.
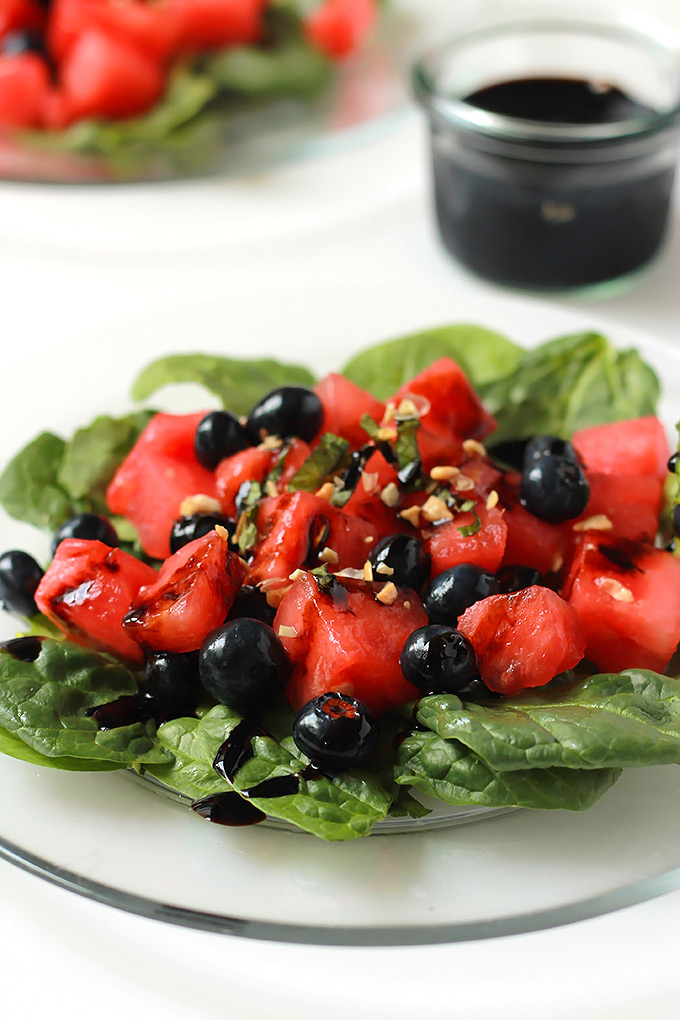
518,872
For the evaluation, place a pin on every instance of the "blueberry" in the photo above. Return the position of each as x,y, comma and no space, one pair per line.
187,529
243,665
219,435
288,411
438,659
172,680
551,445
20,575
455,590
336,732
406,558
86,526
517,577
16,43
553,486
672,463
250,601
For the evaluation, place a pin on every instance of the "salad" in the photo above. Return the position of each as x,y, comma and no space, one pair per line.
119,77
448,571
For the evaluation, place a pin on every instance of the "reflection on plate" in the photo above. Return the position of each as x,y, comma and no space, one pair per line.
107,837
365,94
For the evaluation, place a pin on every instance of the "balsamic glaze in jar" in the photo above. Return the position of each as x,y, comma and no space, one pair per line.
556,215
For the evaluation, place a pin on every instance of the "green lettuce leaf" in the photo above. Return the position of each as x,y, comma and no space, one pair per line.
343,808
294,68
449,771
238,383
568,384
43,703
611,720
16,748
481,353
29,486
94,453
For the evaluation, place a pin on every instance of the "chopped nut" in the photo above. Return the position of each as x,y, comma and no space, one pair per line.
199,504
271,443
435,509
388,595
352,573
412,515
369,480
272,582
222,532
386,435
464,484
557,564
444,472
407,409
614,588
597,523
276,596
382,568
407,604
390,494
329,556
492,500
368,571
370,539
389,414
326,491
271,488
287,631
296,573
338,483
471,446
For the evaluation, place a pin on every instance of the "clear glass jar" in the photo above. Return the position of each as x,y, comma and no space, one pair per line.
537,202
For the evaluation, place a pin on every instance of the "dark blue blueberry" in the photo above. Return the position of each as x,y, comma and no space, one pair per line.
243,664
286,412
91,527
406,558
20,576
454,590
219,435
438,660
336,732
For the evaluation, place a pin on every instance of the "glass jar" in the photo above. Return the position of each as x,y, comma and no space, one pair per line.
538,200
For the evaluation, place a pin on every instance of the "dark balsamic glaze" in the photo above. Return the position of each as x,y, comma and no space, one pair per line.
228,809
621,555
278,786
25,649
319,529
554,224
124,711
352,475
236,749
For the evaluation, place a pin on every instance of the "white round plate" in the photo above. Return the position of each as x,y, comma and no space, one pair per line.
108,837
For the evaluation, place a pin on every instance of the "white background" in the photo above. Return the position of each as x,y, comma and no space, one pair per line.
74,263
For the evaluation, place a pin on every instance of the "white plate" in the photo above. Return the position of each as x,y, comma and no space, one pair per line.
105,835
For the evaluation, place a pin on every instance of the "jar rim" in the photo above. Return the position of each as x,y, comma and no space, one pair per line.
459,113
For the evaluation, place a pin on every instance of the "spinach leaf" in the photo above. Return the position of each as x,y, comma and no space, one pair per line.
448,770
569,384
16,748
44,702
343,808
481,353
29,486
51,480
194,744
330,458
94,453
238,383
611,720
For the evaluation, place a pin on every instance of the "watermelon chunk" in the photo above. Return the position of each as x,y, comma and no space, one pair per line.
448,547
523,640
627,597
347,641
192,596
635,447
87,590
160,472
296,527
344,405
